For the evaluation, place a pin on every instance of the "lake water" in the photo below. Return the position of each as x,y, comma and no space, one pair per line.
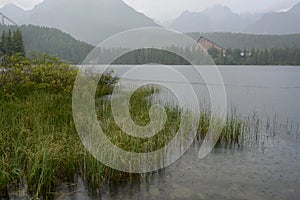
267,90
266,169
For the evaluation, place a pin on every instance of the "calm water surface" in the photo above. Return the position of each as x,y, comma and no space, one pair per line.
266,169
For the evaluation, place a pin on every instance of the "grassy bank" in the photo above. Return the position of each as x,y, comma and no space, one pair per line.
40,147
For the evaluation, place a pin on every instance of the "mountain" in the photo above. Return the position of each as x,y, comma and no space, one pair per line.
215,19
91,21
166,23
14,12
53,42
278,23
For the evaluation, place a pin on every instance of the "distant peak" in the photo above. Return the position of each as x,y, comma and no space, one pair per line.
296,7
11,6
218,8
186,12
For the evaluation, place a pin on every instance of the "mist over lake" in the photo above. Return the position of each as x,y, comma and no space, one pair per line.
200,99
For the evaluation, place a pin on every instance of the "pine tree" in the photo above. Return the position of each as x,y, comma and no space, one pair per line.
18,42
3,44
9,43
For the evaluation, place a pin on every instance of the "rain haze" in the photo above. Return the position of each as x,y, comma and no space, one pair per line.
170,9
149,99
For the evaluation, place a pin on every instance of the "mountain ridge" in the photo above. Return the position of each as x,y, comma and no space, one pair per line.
215,19
104,18
278,22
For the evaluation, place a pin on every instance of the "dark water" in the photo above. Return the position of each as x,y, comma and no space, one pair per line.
266,169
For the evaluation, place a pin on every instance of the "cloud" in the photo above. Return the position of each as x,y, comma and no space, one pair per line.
168,9
26,4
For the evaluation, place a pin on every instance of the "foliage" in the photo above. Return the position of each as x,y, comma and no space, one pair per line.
22,76
274,56
11,43
249,41
39,145
155,56
214,53
38,140
52,41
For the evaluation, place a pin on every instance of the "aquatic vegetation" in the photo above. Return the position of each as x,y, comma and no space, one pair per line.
39,142
40,147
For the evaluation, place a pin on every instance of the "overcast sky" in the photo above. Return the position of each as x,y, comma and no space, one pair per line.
168,9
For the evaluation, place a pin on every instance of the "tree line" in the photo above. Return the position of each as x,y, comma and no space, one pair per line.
273,56
53,42
249,41
11,42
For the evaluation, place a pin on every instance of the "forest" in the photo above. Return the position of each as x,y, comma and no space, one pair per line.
51,41
11,42
241,49
249,41
273,56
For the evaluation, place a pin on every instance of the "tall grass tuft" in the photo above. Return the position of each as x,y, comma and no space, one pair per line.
40,147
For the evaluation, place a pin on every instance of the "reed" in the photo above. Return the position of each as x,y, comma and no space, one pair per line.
40,147
39,143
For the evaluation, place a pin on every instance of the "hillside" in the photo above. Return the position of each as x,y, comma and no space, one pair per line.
53,42
14,12
278,23
103,19
249,41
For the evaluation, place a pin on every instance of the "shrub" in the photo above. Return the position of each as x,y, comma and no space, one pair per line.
20,75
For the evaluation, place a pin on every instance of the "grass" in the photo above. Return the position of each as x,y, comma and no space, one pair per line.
41,149
38,142
139,111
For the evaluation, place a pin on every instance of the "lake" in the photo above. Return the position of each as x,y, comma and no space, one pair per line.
268,168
